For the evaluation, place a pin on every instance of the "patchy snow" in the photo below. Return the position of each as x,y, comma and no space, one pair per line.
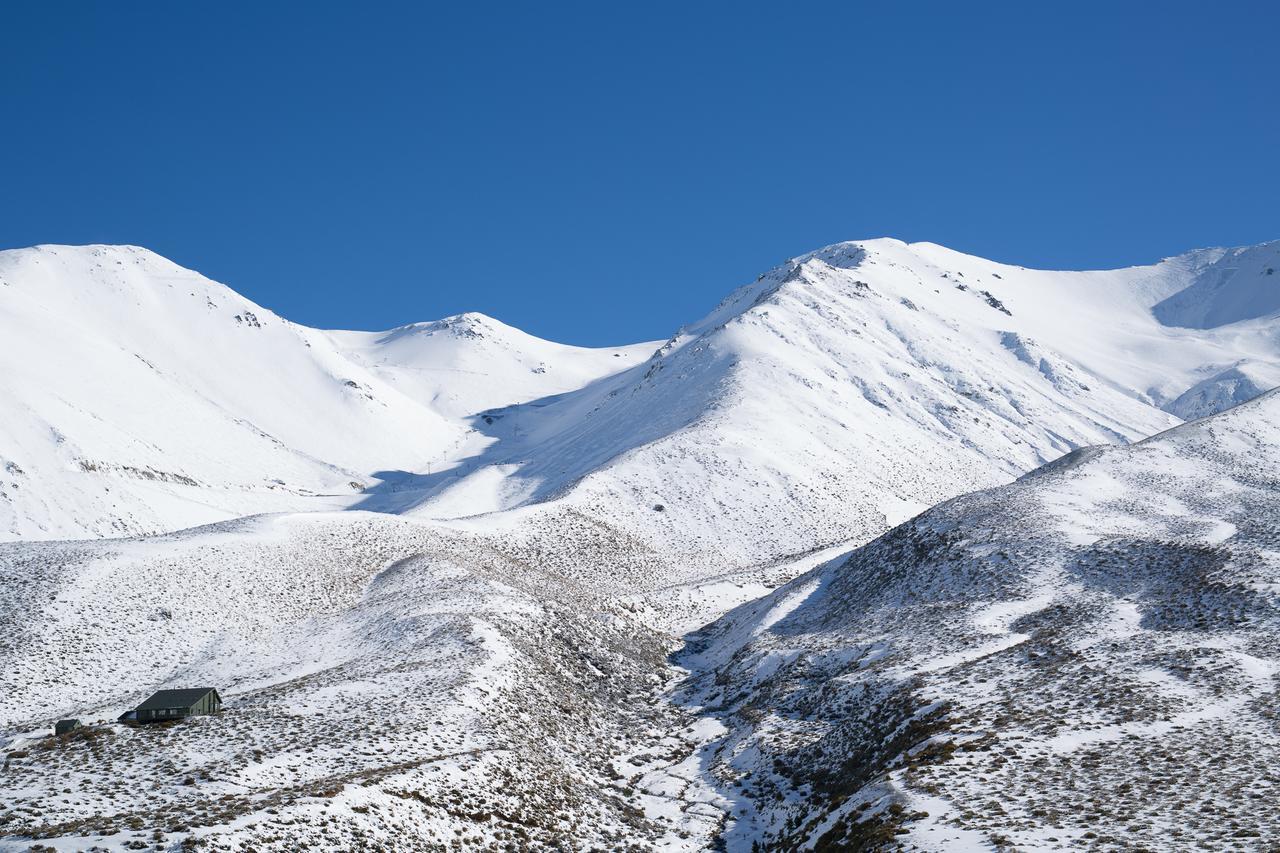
1087,654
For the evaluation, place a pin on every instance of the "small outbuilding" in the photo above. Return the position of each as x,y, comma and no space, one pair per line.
179,704
65,727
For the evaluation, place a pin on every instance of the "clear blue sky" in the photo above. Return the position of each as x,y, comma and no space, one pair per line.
600,173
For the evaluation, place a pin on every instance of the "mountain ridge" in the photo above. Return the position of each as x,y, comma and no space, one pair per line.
877,328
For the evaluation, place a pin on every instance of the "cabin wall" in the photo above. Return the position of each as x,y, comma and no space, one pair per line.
207,704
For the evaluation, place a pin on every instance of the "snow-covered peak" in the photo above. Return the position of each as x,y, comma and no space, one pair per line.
1227,286
466,363
66,256
141,396
470,324
116,288
848,254
845,255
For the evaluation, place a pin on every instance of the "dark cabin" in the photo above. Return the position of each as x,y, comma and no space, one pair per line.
179,704
66,727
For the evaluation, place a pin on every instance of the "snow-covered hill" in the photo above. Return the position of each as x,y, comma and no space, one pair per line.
386,683
141,397
1089,656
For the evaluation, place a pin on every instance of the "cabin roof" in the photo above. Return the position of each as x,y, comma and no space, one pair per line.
182,698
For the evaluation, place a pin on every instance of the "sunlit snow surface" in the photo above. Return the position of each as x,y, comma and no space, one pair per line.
455,628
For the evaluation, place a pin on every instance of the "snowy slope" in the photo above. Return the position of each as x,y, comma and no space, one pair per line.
142,397
853,387
385,681
1230,285
1090,653
465,364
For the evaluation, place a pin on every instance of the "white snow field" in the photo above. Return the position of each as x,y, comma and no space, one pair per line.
462,588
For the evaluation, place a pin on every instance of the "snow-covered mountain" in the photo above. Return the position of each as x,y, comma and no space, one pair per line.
846,389
141,397
852,387
1090,655
482,548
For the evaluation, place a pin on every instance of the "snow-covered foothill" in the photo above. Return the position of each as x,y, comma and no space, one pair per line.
1089,655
